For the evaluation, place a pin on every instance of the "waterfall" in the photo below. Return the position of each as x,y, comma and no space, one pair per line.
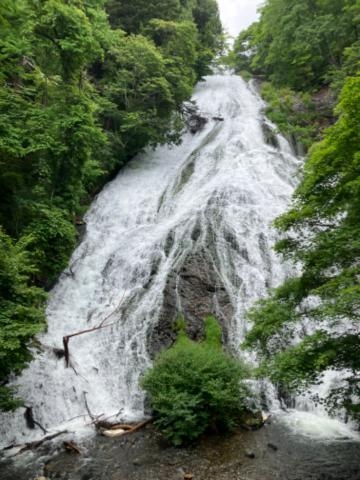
182,228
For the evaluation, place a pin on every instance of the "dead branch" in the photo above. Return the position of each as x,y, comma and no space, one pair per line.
66,340
101,325
141,425
88,408
30,421
112,313
35,444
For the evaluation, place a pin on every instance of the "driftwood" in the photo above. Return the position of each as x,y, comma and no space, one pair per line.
120,429
113,433
35,444
124,426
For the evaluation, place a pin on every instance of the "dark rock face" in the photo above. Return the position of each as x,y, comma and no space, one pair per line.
269,135
194,290
196,123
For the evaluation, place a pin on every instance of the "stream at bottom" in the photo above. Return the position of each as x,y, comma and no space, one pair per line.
273,452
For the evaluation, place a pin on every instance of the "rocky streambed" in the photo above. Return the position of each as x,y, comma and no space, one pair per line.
273,452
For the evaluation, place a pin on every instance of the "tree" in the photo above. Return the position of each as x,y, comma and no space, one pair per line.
321,234
132,16
299,44
78,99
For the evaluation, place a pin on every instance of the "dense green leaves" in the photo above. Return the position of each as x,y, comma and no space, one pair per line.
299,44
78,99
196,386
21,307
311,323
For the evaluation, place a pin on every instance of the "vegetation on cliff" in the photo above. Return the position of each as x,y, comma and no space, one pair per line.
304,51
84,86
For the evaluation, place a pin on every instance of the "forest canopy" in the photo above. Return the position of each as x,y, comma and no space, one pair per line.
84,86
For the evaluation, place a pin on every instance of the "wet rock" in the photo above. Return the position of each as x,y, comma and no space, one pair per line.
269,135
249,453
252,421
80,226
196,122
195,290
193,119
180,474
297,147
272,446
59,352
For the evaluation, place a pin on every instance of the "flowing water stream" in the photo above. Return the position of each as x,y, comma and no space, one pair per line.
191,220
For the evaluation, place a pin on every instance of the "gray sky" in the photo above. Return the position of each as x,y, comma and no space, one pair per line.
236,15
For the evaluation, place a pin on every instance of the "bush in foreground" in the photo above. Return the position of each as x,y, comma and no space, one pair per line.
194,387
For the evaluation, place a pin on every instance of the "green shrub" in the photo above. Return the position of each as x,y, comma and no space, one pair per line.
194,387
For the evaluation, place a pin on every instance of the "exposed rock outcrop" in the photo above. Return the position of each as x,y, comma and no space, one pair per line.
269,135
193,119
194,290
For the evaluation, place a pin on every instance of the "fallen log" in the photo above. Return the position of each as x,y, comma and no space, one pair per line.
35,444
113,433
118,430
38,443
124,426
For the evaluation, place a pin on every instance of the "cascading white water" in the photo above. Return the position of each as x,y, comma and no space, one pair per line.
223,179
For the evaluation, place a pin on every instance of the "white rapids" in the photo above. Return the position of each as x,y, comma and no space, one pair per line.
247,183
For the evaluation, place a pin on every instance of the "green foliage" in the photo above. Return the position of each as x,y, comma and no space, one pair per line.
21,308
304,50
54,239
203,15
131,16
78,98
196,386
299,44
322,232
294,113
310,52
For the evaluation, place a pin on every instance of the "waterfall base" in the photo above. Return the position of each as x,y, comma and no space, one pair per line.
277,453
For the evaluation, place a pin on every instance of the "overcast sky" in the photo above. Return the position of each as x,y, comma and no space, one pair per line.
236,15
